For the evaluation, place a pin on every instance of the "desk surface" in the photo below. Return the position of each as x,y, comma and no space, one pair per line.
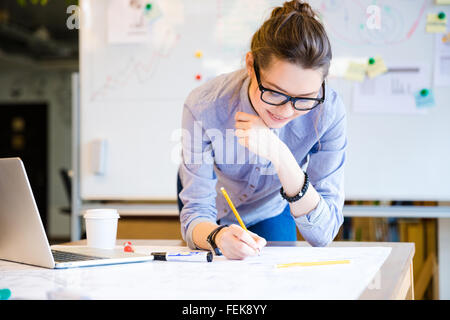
394,279
388,283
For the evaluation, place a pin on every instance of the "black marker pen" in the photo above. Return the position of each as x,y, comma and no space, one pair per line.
194,256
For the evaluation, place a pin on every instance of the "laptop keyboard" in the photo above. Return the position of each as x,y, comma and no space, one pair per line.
61,256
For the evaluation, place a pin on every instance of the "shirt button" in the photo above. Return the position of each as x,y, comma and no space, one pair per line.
244,195
257,169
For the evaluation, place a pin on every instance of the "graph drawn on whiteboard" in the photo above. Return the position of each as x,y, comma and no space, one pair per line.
347,27
137,69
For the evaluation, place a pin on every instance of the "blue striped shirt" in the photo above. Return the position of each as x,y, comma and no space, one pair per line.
212,158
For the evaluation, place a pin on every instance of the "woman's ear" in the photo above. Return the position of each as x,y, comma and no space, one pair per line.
249,63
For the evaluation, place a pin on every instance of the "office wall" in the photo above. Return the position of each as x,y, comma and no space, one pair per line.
38,84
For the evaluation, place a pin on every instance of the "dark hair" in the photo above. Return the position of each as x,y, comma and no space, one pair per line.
293,33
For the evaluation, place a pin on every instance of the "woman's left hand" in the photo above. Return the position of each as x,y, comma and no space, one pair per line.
254,134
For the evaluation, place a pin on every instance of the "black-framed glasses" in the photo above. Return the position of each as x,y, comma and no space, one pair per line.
276,98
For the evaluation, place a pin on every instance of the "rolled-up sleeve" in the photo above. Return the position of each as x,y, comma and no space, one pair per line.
326,173
197,176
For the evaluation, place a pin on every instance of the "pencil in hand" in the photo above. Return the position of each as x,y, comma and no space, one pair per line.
236,214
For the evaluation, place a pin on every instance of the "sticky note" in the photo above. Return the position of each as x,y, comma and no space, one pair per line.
376,67
424,98
436,23
356,71
152,12
442,2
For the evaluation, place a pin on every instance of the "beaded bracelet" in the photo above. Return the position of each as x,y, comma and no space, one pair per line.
300,194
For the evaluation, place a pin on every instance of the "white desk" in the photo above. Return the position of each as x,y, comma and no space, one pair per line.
394,279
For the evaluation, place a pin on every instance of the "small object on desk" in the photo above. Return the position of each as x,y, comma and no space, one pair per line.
128,247
311,264
5,294
189,256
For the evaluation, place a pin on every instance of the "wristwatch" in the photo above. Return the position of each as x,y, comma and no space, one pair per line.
211,239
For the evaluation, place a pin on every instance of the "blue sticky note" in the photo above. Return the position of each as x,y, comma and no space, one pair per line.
424,98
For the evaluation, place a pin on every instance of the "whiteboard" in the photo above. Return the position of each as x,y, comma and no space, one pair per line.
132,94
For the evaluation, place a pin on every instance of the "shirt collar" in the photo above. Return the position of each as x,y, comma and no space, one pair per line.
245,105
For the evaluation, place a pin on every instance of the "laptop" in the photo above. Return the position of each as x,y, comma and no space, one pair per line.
22,235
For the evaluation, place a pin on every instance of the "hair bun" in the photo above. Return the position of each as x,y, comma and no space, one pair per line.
302,8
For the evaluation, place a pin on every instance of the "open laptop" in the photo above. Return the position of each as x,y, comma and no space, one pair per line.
22,235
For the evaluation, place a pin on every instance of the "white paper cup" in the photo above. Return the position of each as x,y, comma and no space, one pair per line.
101,228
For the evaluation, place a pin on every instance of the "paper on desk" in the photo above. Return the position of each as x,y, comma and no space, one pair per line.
392,92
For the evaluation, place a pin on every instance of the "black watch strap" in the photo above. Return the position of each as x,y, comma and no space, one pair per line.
300,194
211,239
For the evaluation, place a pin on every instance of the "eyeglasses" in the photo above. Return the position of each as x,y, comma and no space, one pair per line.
276,98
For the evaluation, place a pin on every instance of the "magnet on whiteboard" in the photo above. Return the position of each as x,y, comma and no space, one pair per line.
98,156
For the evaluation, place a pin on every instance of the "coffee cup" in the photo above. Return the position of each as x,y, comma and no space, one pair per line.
101,228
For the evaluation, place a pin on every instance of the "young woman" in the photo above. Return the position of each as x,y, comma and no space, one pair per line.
274,136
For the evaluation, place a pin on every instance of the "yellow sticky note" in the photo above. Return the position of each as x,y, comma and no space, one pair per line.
435,24
376,67
356,72
442,2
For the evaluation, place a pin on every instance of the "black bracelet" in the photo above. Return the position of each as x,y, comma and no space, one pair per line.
300,194
211,239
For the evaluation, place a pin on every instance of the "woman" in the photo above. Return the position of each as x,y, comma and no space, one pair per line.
274,136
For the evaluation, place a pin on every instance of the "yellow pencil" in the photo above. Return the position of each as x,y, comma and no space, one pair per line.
314,263
225,194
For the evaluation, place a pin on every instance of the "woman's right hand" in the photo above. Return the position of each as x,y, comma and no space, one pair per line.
237,243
